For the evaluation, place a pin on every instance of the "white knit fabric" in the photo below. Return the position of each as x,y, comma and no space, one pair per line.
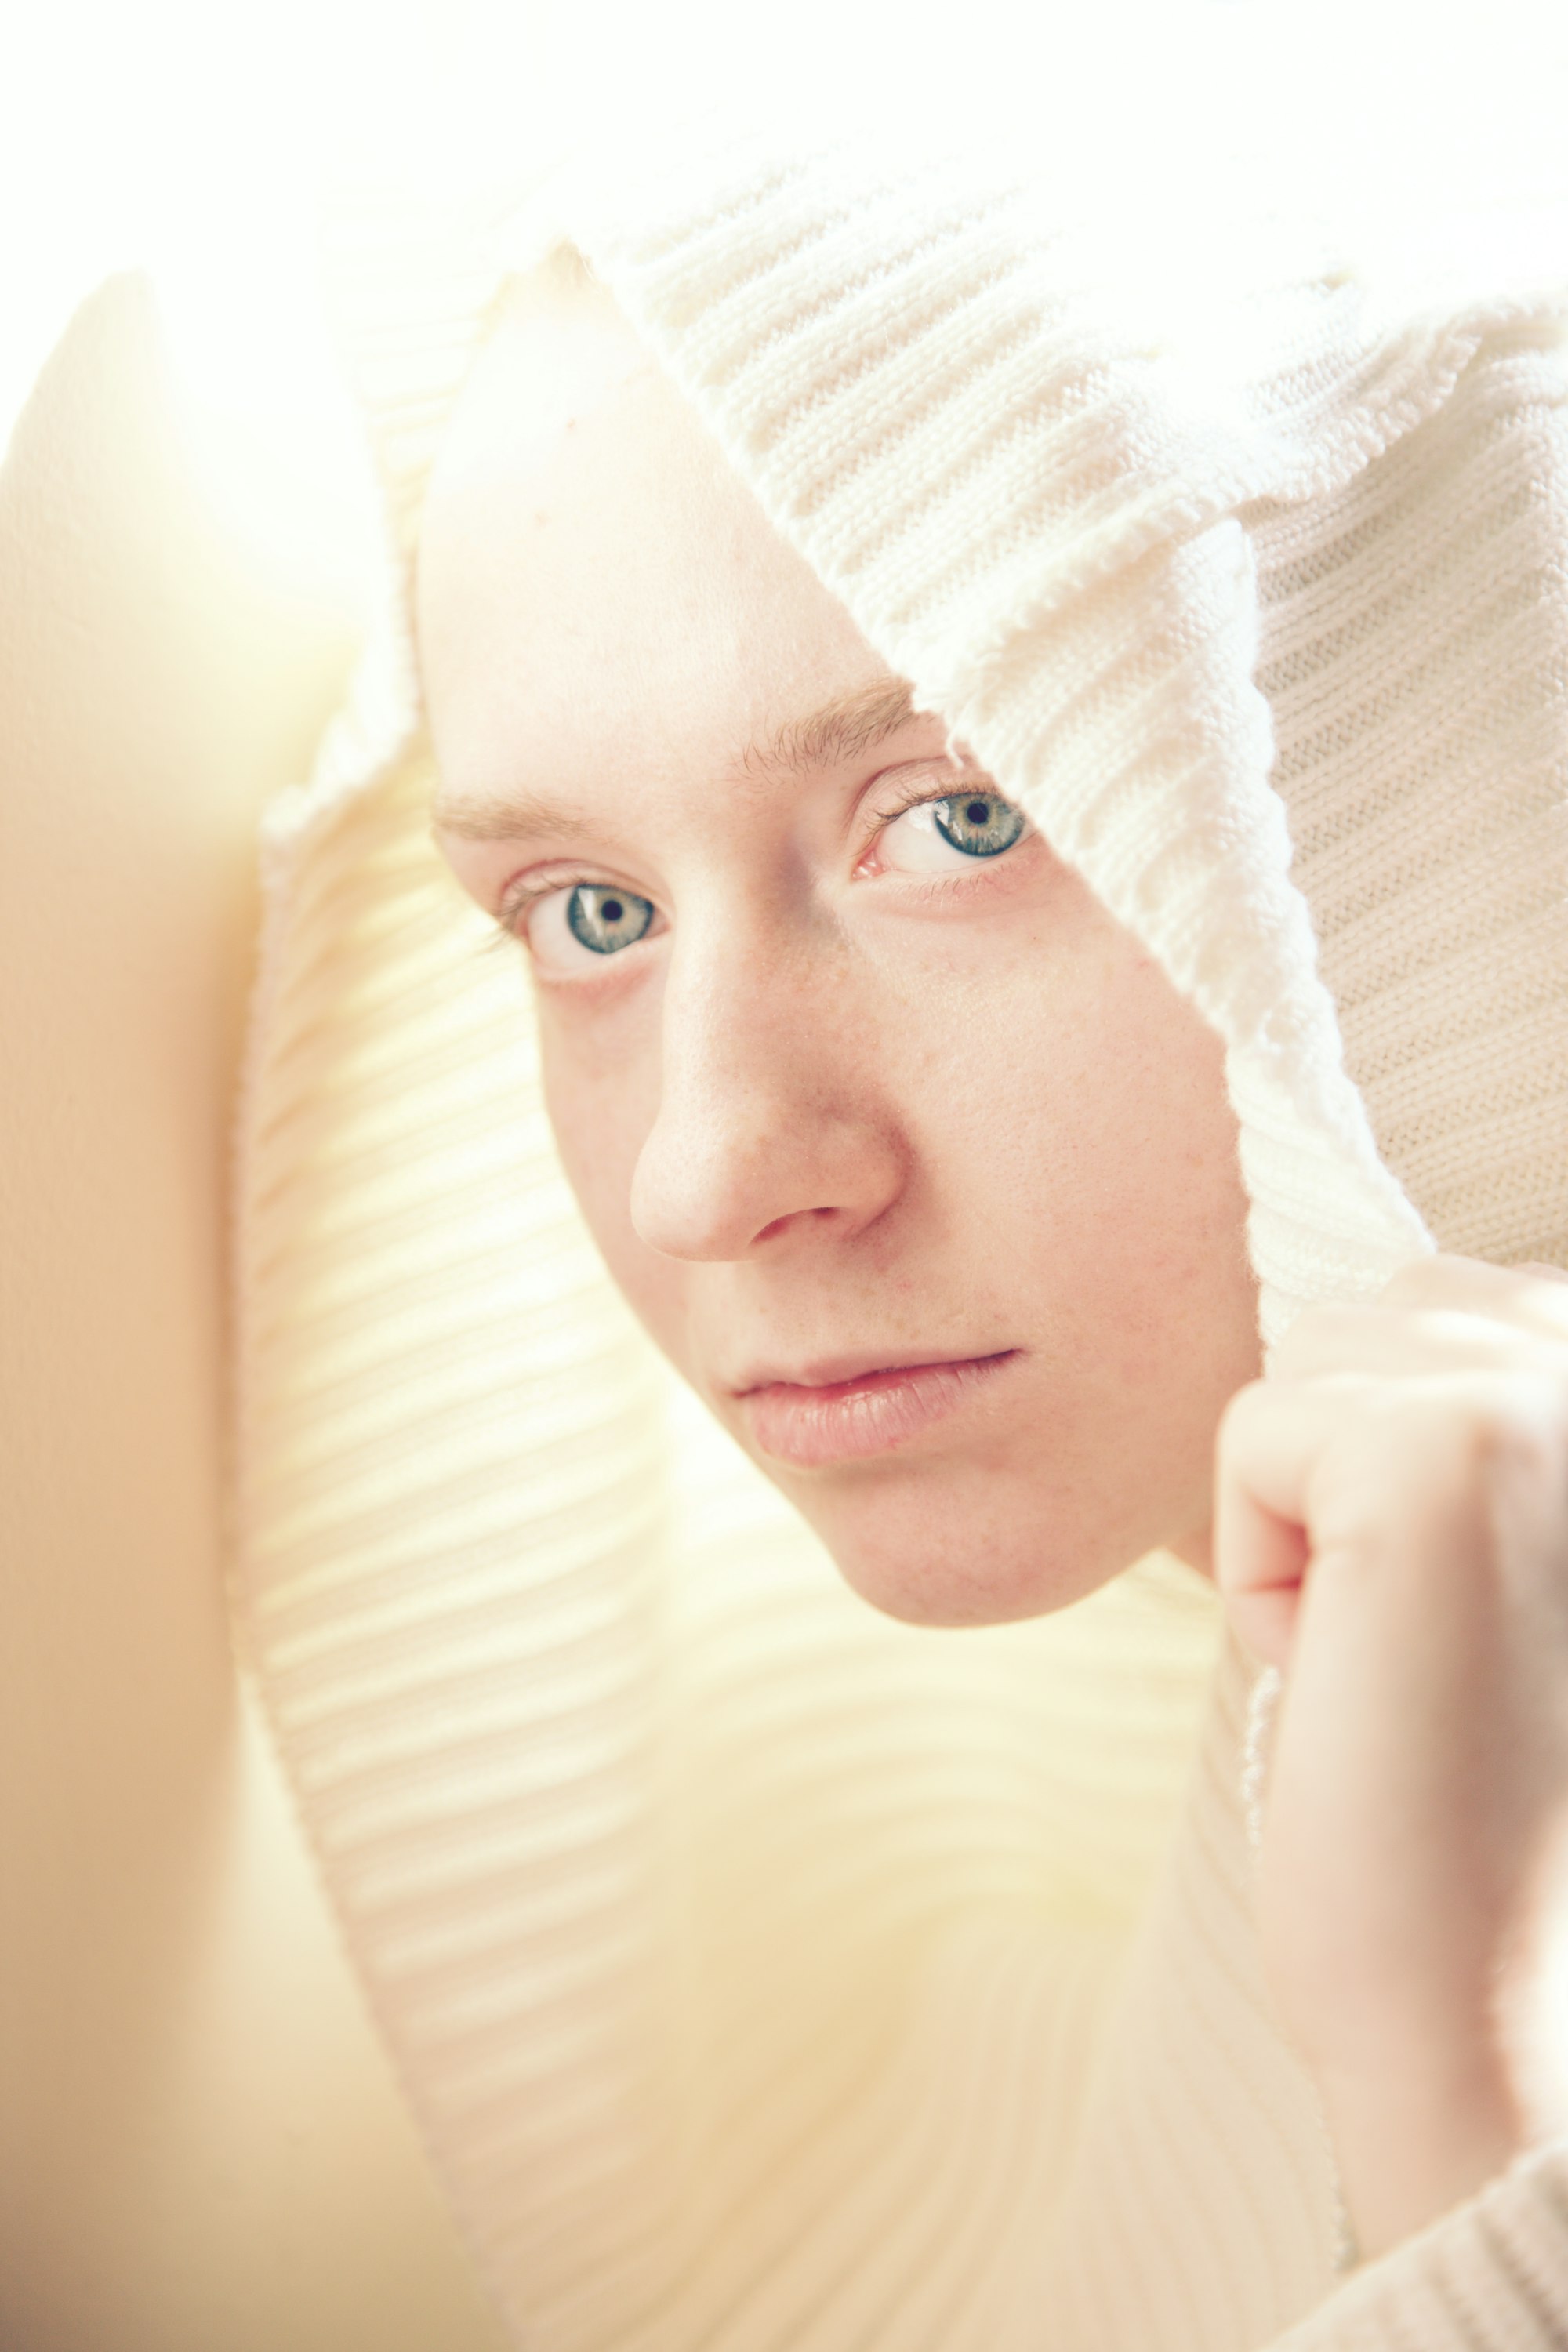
767,1977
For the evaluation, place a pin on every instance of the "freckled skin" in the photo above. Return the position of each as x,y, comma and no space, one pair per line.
824,1112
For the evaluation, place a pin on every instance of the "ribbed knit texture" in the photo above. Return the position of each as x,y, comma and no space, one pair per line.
767,1977
1035,518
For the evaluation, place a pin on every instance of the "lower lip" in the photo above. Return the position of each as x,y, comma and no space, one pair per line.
855,1419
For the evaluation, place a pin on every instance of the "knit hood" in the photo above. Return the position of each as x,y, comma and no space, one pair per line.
747,1957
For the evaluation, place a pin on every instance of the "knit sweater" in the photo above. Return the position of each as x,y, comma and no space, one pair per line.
766,1976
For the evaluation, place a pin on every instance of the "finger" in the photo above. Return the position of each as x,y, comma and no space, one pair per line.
1534,1296
1265,1561
1271,1438
1369,1467
1366,1469
1409,1341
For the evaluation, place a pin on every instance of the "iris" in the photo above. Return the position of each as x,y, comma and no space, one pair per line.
981,824
607,920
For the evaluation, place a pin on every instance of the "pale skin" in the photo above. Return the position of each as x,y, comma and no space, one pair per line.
921,1173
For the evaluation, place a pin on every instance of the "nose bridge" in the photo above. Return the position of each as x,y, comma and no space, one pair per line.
764,1116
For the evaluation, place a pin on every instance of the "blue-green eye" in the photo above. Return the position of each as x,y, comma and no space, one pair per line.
981,824
606,919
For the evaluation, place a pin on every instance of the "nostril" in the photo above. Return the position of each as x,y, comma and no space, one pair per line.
792,1217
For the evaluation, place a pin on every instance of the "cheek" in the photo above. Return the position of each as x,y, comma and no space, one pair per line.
1069,1095
1083,1187
601,1086
1076,1191
1121,1139
1139,1140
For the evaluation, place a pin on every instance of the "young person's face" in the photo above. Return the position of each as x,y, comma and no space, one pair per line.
907,1156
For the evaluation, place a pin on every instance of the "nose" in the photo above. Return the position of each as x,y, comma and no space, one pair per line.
770,1128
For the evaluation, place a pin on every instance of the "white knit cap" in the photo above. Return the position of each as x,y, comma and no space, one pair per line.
1089,546
648,1841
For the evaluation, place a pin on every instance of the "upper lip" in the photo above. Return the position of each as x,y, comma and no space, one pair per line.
834,1371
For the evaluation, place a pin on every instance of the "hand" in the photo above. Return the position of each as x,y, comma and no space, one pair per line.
1391,1530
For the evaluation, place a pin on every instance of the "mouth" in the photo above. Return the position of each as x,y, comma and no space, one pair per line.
850,1418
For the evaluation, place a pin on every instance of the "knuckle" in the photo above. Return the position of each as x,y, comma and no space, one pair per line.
1539,1271
1467,1434
1515,1412
1421,1282
1241,1419
1318,1334
1239,1408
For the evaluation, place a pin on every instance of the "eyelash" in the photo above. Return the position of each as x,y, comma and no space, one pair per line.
519,902
516,904
912,799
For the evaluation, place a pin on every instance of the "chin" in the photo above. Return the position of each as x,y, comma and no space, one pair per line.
929,1553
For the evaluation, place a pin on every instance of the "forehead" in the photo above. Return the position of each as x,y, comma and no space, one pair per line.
598,592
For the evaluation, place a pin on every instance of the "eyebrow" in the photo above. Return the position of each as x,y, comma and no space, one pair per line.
842,730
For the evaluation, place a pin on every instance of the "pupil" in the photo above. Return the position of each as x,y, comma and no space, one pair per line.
611,910
977,813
